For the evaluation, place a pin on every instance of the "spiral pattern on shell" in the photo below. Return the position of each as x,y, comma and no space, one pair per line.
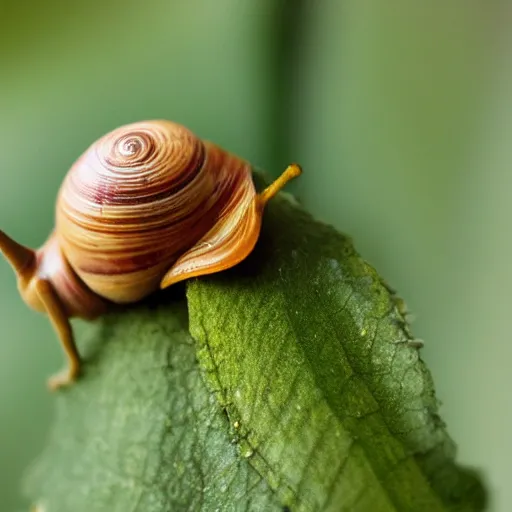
139,198
138,163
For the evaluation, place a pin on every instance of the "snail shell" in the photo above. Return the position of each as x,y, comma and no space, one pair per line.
150,200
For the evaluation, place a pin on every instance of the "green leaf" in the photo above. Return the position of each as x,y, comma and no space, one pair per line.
299,387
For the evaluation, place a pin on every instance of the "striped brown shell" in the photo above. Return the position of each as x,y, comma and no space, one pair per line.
150,204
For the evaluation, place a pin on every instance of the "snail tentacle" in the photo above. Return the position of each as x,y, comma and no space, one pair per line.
57,314
291,172
40,294
234,234
18,256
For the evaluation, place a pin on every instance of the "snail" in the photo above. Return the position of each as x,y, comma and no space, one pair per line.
146,206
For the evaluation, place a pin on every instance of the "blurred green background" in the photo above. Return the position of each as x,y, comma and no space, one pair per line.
400,113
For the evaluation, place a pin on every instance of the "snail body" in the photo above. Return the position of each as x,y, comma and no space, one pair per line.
146,206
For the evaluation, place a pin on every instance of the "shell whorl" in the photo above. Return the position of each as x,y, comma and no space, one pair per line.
136,200
135,164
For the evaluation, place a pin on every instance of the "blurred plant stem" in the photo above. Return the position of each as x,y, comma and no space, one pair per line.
286,28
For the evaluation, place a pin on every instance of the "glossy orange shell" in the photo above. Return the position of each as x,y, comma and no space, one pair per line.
150,204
